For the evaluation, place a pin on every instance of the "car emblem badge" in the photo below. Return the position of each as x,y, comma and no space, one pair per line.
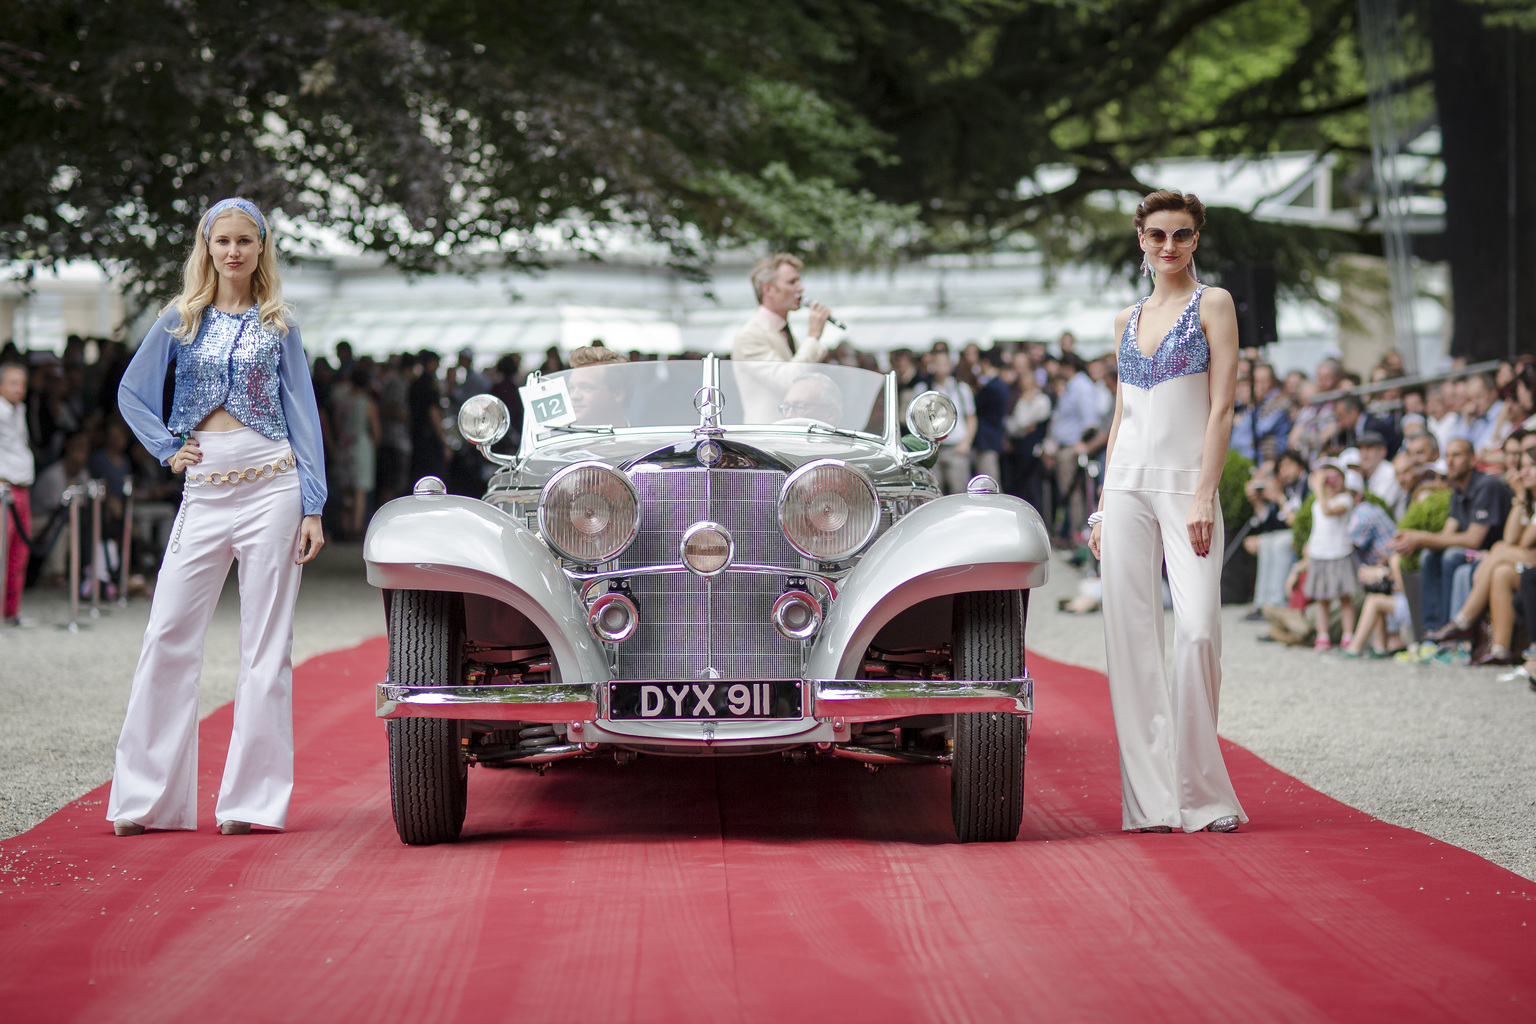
708,453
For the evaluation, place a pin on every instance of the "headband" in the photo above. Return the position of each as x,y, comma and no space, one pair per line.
245,206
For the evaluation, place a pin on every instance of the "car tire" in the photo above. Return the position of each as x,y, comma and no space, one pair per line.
987,770
428,776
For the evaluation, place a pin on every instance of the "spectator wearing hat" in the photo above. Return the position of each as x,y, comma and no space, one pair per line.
1379,473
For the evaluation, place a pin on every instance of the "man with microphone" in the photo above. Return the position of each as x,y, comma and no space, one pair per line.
766,357
767,337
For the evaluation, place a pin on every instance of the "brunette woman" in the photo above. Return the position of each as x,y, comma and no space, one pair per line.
1167,447
245,429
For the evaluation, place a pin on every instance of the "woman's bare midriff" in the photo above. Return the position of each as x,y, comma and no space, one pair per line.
220,420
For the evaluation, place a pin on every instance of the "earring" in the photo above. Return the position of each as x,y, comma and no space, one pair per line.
1146,266
1192,270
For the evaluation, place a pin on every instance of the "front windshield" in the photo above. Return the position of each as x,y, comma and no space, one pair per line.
661,394
618,395
803,393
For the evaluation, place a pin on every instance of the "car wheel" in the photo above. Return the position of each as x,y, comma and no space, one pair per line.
428,777
987,772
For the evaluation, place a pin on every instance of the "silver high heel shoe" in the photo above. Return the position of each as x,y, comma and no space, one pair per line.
1158,829
239,828
1226,823
127,827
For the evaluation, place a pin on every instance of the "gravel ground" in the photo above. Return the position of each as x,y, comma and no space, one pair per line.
1447,751
64,694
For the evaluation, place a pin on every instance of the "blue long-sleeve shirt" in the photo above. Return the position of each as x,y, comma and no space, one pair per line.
256,374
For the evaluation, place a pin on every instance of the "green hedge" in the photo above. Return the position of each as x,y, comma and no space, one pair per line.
1235,507
1428,513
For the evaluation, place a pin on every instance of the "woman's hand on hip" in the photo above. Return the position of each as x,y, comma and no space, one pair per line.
311,539
1093,539
1202,525
188,455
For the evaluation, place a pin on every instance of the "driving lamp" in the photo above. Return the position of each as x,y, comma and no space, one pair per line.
828,510
931,415
707,549
484,419
589,512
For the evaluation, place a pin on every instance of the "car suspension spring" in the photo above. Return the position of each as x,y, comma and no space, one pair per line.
877,734
531,737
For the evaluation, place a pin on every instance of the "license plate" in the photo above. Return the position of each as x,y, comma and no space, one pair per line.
712,700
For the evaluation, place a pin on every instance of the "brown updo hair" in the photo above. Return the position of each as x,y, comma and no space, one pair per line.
1170,199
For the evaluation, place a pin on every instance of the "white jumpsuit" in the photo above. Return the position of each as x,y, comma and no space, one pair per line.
1171,769
254,522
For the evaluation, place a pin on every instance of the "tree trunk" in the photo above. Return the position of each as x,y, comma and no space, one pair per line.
1472,90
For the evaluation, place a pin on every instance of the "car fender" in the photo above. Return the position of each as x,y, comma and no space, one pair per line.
449,542
952,545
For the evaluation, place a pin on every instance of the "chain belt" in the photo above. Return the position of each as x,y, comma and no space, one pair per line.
249,474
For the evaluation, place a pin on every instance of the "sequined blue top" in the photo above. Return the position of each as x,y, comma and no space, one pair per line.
258,375
1182,351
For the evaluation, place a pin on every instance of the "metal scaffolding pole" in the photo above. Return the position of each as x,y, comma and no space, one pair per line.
1382,43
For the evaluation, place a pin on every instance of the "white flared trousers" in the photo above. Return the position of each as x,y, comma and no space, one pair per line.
257,523
1171,769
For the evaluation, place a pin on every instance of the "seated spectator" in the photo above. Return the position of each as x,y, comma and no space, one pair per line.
1371,527
1276,495
1412,464
1496,576
1479,508
1351,424
1480,416
1379,473
1384,615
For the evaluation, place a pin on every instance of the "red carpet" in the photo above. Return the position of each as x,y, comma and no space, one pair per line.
753,890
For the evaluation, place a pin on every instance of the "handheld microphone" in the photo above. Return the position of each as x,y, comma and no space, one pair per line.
834,321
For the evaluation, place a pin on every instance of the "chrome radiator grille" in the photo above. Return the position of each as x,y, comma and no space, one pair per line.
688,624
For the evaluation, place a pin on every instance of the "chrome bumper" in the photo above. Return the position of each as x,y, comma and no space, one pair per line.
839,701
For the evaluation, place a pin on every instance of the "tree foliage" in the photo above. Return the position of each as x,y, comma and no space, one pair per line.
424,131
428,130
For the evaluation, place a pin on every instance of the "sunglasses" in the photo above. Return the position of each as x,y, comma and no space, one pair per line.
1183,238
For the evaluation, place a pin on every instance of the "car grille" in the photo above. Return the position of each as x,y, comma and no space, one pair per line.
688,624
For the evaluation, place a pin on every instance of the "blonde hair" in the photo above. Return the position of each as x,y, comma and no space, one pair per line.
200,281
767,267
596,355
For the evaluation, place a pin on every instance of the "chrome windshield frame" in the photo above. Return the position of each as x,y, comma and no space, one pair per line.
710,376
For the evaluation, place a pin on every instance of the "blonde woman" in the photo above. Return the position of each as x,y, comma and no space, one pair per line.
245,429
1167,447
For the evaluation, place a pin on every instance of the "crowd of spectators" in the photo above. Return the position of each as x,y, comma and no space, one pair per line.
1358,502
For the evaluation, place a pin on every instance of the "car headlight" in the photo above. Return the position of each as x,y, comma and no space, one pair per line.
589,512
828,510
931,415
484,419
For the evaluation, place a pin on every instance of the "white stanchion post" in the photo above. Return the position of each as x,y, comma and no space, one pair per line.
72,496
122,586
97,491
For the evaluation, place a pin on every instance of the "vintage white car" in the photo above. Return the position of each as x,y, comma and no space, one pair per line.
707,558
